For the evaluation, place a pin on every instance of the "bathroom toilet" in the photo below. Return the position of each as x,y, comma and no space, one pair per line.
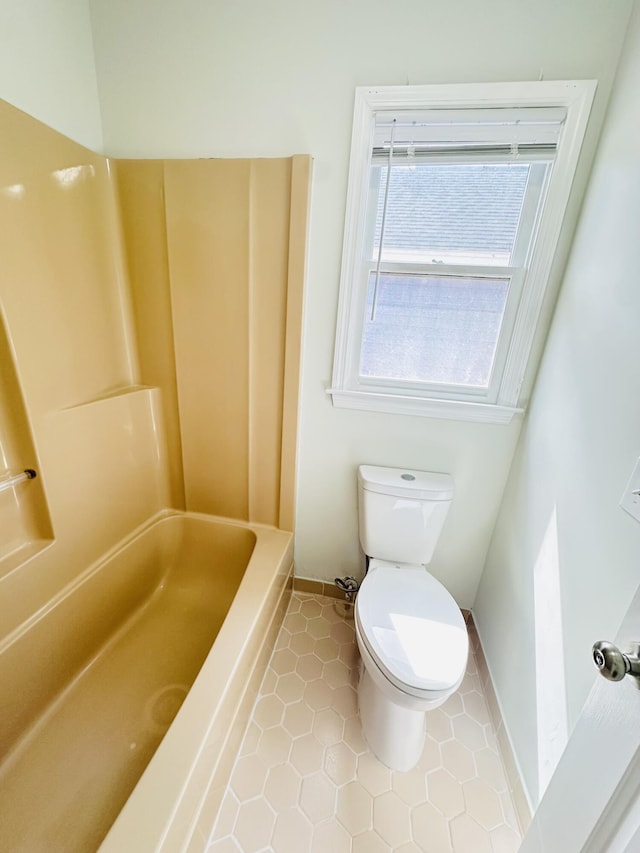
410,632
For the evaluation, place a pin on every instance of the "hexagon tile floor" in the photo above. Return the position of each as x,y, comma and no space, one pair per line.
305,782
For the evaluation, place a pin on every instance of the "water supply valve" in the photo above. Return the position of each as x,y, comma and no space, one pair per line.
349,586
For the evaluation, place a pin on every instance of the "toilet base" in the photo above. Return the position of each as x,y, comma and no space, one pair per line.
396,735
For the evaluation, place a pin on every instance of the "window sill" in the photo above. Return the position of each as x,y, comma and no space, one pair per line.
395,404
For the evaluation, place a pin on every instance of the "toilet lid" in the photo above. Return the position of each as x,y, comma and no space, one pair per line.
413,628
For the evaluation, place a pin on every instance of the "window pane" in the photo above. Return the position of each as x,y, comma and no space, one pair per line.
464,213
433,329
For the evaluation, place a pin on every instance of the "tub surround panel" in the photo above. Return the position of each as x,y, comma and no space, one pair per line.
301,174
61,281
109,450
140,187
268,252
220,245
66,338
216,253
234,297
115,449
102,466
150,350
24,516
208,236
67,341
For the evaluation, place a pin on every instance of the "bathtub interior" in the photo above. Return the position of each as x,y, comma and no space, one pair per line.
174,805
86,752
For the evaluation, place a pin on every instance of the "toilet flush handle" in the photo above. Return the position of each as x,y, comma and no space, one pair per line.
614,664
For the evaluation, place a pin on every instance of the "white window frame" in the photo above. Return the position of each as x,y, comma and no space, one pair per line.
576,97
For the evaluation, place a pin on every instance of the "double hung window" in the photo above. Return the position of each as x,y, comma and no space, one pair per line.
454,210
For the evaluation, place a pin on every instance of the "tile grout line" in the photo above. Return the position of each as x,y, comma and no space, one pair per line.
319,789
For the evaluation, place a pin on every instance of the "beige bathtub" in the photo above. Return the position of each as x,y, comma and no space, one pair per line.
187,606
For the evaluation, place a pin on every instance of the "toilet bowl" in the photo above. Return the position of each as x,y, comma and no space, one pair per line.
413,643
410,632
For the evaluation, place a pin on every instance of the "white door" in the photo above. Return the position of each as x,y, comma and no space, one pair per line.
591,804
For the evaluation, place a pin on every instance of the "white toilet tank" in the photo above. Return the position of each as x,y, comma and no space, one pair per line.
401,512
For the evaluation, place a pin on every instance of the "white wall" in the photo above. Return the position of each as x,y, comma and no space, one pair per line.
47,66
206,78
203,78
576,452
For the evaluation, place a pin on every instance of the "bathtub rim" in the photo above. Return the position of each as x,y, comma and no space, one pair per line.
154,814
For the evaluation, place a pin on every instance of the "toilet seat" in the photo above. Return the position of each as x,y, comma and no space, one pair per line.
412,628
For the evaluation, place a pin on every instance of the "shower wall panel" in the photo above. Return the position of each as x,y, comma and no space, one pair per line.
216,253
140,186
149,357
70,401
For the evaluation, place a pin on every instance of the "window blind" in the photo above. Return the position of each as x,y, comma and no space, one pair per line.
484,129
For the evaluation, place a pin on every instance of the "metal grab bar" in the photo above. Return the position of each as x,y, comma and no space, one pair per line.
27,474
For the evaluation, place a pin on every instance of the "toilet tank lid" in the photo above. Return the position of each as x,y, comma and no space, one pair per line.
405,482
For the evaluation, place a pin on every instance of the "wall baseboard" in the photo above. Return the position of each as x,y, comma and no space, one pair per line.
516,788
317,587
